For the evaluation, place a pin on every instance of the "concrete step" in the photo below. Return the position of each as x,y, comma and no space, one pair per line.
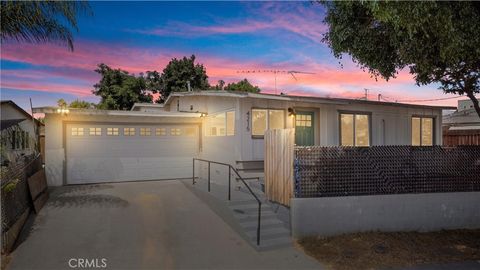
245,218
253,223
242,202
275,243
270,233
263,226
252,205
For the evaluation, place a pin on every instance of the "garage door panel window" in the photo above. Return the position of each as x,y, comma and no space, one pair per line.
77,131
422,131
354,129
160,132
145,131
130,131
263,119
220,124
175,131
112,131
95,131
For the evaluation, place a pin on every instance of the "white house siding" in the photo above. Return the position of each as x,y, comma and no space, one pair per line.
10,112
390,125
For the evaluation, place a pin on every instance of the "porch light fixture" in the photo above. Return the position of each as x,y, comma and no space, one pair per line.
203,115
291,112
63,111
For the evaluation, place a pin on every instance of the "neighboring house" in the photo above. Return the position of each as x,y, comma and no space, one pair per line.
18,132
158,141
462,127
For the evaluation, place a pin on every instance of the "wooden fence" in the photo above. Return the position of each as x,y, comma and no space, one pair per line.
279,146
461,137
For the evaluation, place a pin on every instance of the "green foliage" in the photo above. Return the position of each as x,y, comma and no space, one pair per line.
41,21
119,90
10,186
178,73
219,86
438,41
242,86
62,103
81,104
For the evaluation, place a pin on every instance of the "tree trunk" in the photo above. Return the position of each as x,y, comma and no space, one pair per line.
475,102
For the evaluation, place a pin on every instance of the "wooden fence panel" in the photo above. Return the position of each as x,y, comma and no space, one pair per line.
279,146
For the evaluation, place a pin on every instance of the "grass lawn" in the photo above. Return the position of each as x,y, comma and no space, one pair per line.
378,250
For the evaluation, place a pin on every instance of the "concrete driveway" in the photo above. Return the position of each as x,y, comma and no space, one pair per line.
140,225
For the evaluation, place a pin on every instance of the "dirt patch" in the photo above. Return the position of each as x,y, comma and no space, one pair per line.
377,250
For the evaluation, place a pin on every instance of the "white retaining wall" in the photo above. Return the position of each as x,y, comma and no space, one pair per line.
330,216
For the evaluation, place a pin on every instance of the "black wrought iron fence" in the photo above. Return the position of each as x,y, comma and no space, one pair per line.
349,171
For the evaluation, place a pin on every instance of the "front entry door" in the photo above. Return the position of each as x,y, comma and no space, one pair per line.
304,128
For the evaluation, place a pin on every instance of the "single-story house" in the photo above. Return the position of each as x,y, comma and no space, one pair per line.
462,127
19,132
158,141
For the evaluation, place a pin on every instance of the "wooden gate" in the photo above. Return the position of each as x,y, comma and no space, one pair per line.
279,146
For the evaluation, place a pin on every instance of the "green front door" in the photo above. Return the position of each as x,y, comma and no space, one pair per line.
304,128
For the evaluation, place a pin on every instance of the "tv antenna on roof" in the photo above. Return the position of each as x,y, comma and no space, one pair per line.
275,72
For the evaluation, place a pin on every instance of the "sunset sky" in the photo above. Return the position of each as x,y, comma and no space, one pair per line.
225,36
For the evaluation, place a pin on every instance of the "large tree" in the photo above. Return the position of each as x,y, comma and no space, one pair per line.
242,86
119,90
41,21
439,42
179,73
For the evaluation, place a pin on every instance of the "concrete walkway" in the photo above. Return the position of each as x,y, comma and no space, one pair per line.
140,225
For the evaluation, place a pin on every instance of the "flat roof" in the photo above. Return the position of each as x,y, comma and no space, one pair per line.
311,99
76,111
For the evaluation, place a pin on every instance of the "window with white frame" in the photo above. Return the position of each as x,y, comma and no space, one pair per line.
145,131
160,132
263,119
77,131
129,131
95,131
220,124
422,131
354,129
175,131
111,131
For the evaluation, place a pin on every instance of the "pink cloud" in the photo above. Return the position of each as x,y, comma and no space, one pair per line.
327,80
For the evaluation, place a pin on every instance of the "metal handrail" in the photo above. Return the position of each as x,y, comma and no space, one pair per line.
230,168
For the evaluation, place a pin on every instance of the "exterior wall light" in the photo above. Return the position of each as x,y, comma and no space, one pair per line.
63,111
291,112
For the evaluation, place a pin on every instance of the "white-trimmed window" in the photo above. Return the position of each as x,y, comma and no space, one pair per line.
220,124
263,119
76,131
422,131
95,131
160,132
129,131
145,131
175,131
354,129
112,131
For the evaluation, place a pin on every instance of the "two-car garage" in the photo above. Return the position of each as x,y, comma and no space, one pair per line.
87,146
128,152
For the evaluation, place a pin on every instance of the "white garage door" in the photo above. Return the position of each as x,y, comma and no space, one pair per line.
115,153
